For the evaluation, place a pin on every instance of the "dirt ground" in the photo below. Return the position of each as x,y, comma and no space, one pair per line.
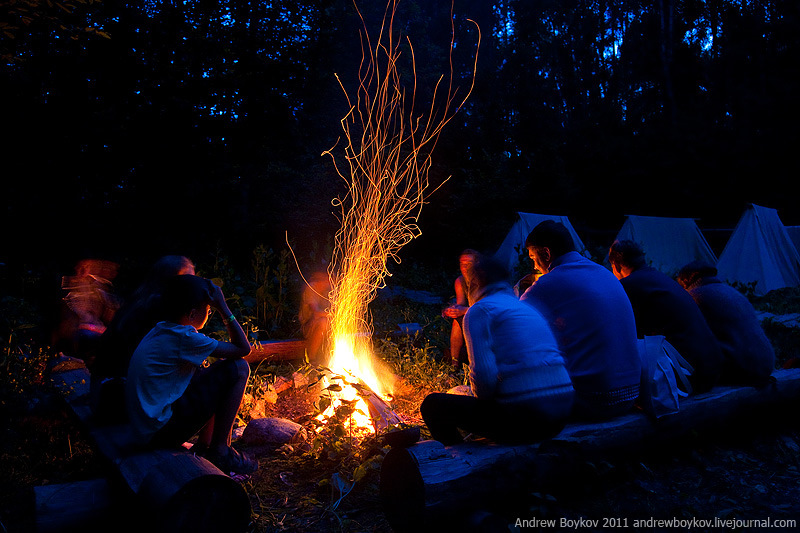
745,474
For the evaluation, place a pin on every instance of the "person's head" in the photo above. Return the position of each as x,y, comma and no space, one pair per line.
625,256
548,241
486,271
186,299
172,265
163,269
694,272
465,261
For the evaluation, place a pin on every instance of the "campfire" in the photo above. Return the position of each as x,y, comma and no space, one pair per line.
388,147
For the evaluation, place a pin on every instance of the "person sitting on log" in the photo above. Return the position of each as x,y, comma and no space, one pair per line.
171,395
520,388
748,356
662,307
458,349
592,320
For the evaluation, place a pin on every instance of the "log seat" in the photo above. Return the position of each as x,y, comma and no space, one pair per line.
174,489
424,484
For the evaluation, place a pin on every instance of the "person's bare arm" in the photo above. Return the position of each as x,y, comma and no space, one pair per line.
461,305
239,345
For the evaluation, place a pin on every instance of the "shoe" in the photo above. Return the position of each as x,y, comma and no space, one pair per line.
232,461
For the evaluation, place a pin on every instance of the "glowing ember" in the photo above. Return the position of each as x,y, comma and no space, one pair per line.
388,151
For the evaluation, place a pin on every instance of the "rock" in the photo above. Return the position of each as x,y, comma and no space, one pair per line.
299,380
461,390
282,384
257,409
271,396
271,431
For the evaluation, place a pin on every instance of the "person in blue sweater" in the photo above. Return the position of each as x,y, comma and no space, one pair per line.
520,388
662,307
748,356
592,320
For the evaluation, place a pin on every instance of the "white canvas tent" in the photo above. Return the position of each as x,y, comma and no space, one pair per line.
668,243
514,242
760,250
794,235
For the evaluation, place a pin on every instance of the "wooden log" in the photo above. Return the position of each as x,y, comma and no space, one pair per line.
76,506
428,481
279,350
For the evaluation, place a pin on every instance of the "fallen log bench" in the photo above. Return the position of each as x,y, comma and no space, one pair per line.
427,484
173,490
277,350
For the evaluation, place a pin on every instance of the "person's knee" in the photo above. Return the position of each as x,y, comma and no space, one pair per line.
242,368
430,405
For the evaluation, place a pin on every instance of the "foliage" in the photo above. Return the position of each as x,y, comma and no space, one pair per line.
273,305
779,301
265,303
18,17
198,104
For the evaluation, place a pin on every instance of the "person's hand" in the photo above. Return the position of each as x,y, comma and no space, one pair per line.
217,298
454,311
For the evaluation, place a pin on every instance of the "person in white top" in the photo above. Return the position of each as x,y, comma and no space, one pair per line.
521,391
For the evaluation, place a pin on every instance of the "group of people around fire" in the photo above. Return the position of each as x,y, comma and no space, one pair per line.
149,359
565,344
562,345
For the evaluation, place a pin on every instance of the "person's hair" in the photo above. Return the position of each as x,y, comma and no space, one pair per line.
486,270
553,235
626,253
163,269
469,252
693,272
184,293
169,265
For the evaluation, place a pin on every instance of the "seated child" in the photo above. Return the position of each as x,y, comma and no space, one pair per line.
170,394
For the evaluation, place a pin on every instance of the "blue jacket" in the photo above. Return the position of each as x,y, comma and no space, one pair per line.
663,307
593,322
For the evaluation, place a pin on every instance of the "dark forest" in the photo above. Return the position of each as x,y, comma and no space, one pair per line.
142,128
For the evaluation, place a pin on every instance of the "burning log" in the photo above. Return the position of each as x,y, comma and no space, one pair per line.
428,482
381,413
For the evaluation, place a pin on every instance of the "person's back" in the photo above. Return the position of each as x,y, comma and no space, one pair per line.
523,347
520,387
592,320
749,358
662,307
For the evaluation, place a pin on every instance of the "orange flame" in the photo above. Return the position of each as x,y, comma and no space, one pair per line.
388,151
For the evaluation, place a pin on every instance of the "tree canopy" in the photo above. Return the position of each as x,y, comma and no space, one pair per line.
155,127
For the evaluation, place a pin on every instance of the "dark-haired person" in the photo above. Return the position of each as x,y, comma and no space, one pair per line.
170,394
135,318
748,356
662,307
592,320
521,391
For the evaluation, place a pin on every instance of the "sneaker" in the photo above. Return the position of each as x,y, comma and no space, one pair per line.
232,461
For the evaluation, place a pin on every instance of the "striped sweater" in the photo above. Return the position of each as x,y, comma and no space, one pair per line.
513,355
